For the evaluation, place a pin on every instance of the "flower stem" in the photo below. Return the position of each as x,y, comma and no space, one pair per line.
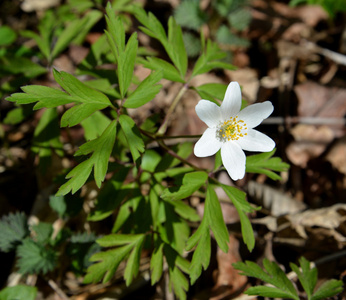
172,153
176,100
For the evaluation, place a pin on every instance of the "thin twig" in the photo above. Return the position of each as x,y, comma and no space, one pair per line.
171,109
58,290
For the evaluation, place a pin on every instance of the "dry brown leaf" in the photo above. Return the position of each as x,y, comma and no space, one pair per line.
337,155
38,5
274,200
228,279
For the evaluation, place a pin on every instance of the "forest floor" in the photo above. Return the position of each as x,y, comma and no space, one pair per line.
297,60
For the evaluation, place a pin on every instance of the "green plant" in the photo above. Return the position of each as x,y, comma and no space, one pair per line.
281,287
226,21
144,183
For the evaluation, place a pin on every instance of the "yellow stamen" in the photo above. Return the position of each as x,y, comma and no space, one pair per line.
232,129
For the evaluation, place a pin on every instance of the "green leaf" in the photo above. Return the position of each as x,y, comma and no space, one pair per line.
108,261
7,35
267,291
67,36
263,163
189,15
126,64
225,36
217,224
45,96
43,232
212,91
34,258
169,71
210,59
13,229
133,136
153,26
283,287
201,255
18,292
185,186
132,265
184,210
115,189
145,92
79,90
328,289
94,125
17,115
156,264
130,209
11,64
240,18
91,18
242,206
43,42
192,44
174,230
176,48
102,149
106,264
47,138
116,34
307,277
178,280
66,206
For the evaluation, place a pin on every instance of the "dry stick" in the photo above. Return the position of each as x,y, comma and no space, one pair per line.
176,100
183,160
304,120
58,290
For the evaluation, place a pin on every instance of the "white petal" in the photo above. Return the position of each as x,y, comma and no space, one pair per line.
233,159
207,145
231,102
254,114
208,112
256,141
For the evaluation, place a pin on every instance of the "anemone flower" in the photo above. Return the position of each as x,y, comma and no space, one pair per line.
231,130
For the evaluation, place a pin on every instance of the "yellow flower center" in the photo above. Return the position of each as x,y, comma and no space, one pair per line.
233,129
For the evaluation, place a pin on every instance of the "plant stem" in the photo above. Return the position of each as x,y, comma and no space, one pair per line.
183,160
176,100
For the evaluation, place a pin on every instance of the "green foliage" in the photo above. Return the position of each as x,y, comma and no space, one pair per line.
146,91
101,148
185,186
225,19
192,44
108,262
66,206
7,36
47,138
13,230
173,42
52,27
264,163
225,36
213,220
148,181
242,206
81,247
210,59
282,287
189,15
34,257
18,292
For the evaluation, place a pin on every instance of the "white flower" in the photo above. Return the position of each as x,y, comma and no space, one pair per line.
231,130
